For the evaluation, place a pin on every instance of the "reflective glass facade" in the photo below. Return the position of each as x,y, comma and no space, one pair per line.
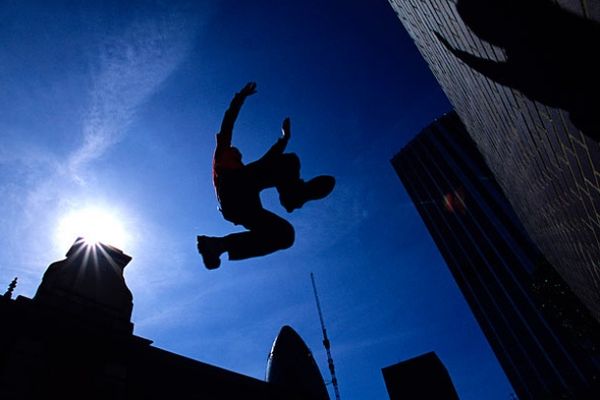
502,275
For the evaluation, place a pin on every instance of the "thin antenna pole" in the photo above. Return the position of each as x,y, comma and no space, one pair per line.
326,341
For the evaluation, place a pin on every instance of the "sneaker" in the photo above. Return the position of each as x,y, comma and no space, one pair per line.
210,249
315,189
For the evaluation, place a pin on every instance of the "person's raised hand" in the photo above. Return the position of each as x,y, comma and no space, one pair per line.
286,129
249,89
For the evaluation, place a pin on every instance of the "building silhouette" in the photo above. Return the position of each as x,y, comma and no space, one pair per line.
74,340
544,338
523,77
421,377
291,365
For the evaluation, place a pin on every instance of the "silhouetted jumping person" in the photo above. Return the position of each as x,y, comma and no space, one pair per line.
238,188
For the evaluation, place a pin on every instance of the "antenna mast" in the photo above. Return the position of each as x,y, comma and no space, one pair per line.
326,341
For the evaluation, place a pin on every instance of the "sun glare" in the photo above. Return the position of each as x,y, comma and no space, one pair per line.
94,225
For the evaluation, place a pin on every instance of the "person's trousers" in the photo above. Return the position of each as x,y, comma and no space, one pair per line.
240,204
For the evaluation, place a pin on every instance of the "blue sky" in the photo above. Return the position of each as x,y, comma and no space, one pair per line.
114,105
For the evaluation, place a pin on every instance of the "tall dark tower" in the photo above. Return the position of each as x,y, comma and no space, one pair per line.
523,77
545,340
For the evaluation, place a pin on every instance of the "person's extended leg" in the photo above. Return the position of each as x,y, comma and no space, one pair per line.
266,234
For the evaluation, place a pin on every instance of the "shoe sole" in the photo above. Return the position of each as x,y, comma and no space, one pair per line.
319,187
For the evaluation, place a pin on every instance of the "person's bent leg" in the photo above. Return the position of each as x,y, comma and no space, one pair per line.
281,171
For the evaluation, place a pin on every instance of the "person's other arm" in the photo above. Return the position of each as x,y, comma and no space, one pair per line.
280,145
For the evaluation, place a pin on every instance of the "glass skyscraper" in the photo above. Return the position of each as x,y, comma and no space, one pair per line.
545,339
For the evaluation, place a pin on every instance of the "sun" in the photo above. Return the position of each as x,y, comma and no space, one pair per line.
94,224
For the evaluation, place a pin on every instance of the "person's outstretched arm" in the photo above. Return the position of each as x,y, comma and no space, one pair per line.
226,132
281,143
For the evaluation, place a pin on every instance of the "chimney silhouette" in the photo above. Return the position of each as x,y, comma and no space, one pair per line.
89,283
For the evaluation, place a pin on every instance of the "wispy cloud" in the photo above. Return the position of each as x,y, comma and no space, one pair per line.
39,183
131,68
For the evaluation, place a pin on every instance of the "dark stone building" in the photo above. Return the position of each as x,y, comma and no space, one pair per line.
74,340
523,77
422,377
544,338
